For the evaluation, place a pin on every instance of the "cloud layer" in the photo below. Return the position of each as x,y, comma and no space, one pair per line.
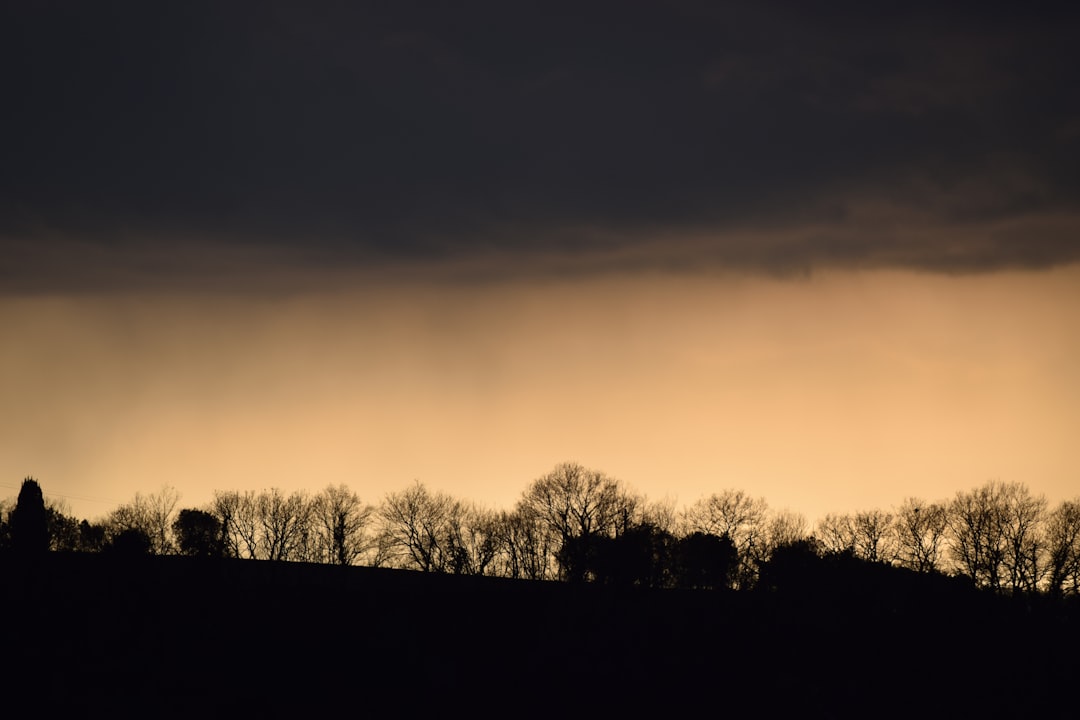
237,144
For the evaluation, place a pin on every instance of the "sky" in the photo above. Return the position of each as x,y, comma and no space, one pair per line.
829,256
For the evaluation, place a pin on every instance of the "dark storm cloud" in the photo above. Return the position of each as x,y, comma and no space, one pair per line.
151,138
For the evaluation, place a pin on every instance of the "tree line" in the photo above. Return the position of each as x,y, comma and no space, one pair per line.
578,524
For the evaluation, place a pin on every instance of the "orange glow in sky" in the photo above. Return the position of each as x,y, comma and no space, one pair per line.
836,392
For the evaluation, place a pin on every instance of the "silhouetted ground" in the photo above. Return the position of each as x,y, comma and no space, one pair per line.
179,637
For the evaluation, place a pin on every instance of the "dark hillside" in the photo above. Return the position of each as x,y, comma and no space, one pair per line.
173,636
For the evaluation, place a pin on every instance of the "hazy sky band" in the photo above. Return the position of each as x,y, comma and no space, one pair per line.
836,393
596,136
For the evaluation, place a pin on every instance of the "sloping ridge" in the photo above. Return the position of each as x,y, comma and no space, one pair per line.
243,638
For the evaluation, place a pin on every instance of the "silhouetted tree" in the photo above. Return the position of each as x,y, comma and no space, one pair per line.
577,504
30,520
835,533
705,561
661,514
285,526
152,515
473,539
737,516
342,521
239,517
129,542
435,532
920,530
63,528
5,524
996,536
791,566
977,534
414,524
783,528
1063,548
641,555
198,533
576,557
525,546
1025,544
868,535
874,539
268,525
92,537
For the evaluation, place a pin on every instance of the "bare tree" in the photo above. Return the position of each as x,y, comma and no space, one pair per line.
162,511
342,525
151,515
526,546
784,529
866,534
977,534
575,501
384,550
239,516
835,533
473,539
874,540
268,525
920,531
577,504
1025,548
1063,548
661,515
737,516
285,526
997,536
414,528
223,508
